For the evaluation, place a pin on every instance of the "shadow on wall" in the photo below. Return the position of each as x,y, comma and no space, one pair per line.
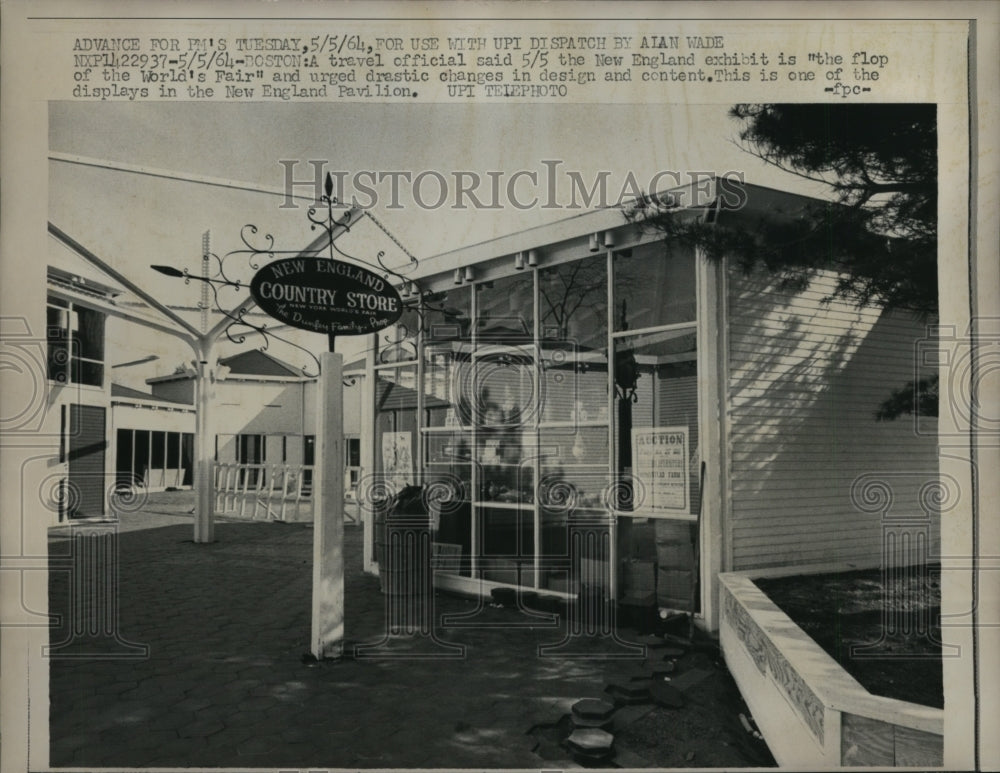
805,380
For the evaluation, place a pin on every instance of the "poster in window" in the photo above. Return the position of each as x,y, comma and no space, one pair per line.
397,458
660,464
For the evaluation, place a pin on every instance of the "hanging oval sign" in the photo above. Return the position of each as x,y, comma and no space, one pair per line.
326,296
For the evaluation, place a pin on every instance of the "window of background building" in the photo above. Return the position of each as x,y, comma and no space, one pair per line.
251,449
75,337
158,459
352,462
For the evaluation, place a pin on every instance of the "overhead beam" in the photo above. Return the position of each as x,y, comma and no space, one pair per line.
113,310
167,174
128,284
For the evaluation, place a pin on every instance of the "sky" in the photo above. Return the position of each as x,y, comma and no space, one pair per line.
135,220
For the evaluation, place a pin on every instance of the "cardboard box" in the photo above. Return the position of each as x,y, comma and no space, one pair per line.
674,588
639,577
675,555
642,543
668,531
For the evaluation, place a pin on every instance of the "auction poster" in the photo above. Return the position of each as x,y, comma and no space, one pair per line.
660,464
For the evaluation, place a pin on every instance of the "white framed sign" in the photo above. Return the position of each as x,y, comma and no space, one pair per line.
397,458
660,468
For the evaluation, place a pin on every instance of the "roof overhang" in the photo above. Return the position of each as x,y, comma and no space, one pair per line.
708,199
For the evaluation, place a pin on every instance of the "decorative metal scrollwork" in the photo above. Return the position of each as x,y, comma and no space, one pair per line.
332,218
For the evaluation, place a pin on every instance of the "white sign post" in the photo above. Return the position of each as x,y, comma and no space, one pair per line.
327,638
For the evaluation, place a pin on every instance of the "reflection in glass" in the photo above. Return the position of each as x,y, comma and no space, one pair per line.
654,285
501,386
573,308
448,465
573,302
574,384
508,547
443,371
505,312
396,425
447,315
506,468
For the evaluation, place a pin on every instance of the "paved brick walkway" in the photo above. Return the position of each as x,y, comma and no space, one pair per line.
225,683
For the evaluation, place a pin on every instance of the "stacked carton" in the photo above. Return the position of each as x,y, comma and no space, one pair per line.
675,577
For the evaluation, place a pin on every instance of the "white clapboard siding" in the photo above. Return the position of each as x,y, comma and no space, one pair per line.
805,379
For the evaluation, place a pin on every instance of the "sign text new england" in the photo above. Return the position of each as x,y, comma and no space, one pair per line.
326,296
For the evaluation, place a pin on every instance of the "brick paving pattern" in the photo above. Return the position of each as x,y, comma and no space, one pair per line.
225,682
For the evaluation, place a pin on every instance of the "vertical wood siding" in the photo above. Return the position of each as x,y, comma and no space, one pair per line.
805,379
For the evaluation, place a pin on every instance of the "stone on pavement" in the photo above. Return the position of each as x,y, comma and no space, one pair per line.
690,678
590,741
665,695
628,693
593,708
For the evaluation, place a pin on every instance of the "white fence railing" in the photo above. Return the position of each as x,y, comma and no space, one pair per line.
274,492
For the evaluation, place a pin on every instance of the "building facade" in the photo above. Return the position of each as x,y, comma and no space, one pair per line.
587,407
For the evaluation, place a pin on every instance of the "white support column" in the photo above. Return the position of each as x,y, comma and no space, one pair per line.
327,637
711,431
368,395
204,447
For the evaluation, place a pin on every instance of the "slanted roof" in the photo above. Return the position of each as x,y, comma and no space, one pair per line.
121,391
258,363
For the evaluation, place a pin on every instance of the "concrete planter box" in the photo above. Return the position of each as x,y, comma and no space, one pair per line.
813,714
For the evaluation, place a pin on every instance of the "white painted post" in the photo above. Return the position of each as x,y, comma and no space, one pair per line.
204,441
328,513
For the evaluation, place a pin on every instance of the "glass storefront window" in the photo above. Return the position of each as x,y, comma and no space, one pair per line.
574,384
657,387
508,545
573,303
446,354
448,315
654,286
448,465
505,461
574,468
445,364
573,324
505,311
524,432
501,387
